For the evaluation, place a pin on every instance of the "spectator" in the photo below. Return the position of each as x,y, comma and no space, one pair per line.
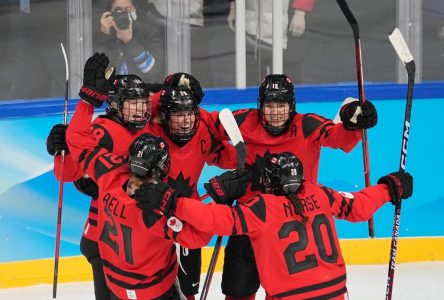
132,43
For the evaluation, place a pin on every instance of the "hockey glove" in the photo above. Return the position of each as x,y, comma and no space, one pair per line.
400,185
155,200
353,116
229,186
87,186
95,83
56,140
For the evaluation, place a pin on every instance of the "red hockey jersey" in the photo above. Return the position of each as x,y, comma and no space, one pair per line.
139,263
188,161
106,133
295,260
305,137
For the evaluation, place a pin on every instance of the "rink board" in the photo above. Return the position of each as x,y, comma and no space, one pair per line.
29,191
355,251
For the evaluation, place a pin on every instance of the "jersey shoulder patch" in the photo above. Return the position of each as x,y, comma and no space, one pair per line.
311,122
241,114
257,206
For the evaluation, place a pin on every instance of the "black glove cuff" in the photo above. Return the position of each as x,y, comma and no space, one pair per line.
392,186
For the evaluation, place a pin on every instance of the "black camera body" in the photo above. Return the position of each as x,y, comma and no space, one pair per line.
121,18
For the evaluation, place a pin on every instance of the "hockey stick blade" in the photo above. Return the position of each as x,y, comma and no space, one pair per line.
347,13
66,61
227,119
400,46
65,111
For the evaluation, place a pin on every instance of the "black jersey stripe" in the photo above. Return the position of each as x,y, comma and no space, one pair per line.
241,216
313,287
93,210
90,157
119,271
234,229
145,285
331,295
349,206
329,195
343,208
92,222
258,208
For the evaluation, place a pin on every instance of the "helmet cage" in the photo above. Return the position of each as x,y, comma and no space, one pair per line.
179,100
136,114
276,88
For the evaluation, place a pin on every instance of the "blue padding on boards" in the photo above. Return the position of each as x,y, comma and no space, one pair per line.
29,190
213,96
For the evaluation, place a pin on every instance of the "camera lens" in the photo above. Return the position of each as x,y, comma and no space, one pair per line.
121,19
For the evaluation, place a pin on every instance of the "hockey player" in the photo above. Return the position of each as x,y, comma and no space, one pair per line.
190,134
138,253
274,127
189,131
128,111
291,221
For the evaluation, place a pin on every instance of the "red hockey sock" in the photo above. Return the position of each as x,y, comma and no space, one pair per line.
190,297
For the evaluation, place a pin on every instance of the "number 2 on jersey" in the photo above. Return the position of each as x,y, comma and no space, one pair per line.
110,230
310,260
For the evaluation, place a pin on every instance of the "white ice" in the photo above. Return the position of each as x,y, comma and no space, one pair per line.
366,282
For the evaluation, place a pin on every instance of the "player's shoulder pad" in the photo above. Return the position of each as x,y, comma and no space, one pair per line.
108,162
311,122
328,192
257,206
240,115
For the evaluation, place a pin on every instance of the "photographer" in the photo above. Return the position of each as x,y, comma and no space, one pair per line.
132,44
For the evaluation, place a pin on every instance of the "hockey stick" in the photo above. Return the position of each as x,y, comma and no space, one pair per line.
355,28
406,57
227,119
59,211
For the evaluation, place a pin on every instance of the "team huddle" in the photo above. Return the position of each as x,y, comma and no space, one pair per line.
140,162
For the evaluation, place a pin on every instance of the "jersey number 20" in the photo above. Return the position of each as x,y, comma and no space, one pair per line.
310,260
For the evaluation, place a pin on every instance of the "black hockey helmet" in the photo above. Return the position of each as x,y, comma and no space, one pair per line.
187,80
178,100
126,88
282,174
149,157
276,88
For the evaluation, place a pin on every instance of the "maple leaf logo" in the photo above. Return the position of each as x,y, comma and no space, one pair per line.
182,185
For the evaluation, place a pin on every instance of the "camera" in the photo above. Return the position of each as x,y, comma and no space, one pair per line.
121,18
